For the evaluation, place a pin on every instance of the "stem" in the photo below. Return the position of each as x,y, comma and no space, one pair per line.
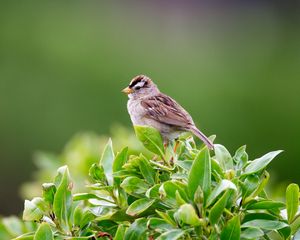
161,166
228,212
295,218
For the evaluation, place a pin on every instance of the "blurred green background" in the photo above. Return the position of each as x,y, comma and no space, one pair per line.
234,66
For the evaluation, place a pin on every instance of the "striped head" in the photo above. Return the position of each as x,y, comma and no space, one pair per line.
141,86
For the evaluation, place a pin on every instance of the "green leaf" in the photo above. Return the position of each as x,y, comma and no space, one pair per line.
249,185
31,211
91,236
185,164
187,214
49,190
124,174
96,172
12,225
134,185
137,230
240,157
179,199
179,176
171,235
223,185
260,163
285,232
62,203
77,215
200,174
265,224
168,192
151,139
216,169
88,196
120,160
159,225
218,208
41,204
118,163
232,229
44,232
292,201
153,192
265,204
107,160
198,197
264,178
223,157
139,206
258,215
295,225
86,218
252,233
121,198
214,235
147,170
120,234
166,217
25,236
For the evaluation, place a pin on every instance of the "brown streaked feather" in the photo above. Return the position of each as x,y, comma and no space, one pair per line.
167,111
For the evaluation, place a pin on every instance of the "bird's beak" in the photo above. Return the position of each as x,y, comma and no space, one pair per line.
127,90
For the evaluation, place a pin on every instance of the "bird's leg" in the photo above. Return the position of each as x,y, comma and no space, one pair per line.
174,151
166,143
176,145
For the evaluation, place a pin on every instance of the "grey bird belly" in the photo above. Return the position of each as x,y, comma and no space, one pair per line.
138,117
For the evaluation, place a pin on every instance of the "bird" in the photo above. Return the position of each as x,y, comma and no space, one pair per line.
147,106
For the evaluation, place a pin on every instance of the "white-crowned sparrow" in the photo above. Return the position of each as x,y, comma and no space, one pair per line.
148,106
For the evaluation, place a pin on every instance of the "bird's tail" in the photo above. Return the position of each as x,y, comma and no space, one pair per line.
204,139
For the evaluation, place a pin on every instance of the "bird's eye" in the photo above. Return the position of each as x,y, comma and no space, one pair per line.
137,88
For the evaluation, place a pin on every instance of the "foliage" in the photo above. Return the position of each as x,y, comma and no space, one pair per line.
188,194
79,154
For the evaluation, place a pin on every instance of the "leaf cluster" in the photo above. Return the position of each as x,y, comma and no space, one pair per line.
192,193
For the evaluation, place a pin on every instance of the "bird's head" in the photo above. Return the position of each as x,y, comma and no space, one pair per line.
140,86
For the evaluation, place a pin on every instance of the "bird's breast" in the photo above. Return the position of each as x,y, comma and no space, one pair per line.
136,112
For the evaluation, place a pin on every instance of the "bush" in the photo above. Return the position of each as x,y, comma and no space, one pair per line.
188,194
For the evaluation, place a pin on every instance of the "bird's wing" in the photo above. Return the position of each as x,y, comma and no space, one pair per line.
166,110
